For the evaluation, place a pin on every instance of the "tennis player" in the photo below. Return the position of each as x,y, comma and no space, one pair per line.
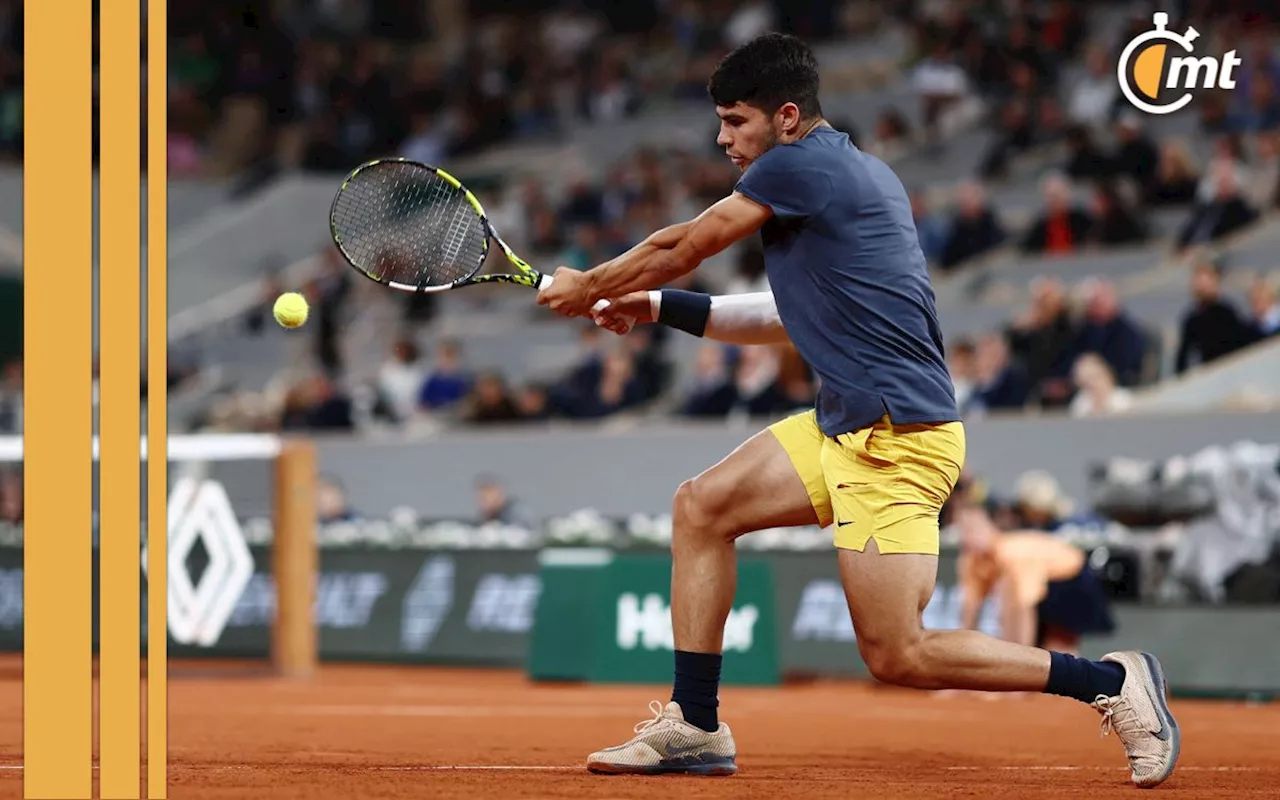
877,457
1048,595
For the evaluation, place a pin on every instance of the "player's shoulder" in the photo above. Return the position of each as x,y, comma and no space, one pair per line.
823,148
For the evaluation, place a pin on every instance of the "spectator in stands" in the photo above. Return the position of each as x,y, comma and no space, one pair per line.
1265,308
931,226
1115,221
11,396
1261,110
1094,97
1085,158
617,390
1227,212
749,273
1096,391
332,504
652,372
1212,327
1062,227
1229,154
975,229
1136,156
795,380
11,496
316,404
1001,383
508,215
961,357
255,319
584,251
496,506
892,137
1214,112
756,381
580,383
448,382
1177,179
489,401
1018,125
1108,331
426,142
400,379
1041,336
712,394
1263,186
533,402
1062,29
941,84
329,295
583,204
1040,503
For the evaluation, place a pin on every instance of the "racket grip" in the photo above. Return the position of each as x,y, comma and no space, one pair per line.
545,281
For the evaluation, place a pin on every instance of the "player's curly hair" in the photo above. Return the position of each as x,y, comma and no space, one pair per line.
766,72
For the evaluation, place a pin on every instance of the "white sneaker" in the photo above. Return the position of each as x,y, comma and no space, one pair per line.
668,744
1140,717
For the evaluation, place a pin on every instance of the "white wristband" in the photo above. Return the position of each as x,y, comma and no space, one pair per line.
655,303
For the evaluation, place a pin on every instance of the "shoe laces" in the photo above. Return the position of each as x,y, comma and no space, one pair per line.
657,708
1117,715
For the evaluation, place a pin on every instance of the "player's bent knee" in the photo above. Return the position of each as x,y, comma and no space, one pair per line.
700,510
897,664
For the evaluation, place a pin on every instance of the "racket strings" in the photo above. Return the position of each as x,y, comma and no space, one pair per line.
404,224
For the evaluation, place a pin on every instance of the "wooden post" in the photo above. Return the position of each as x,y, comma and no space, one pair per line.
295,561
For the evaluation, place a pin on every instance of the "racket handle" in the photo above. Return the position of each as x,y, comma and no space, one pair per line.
545,281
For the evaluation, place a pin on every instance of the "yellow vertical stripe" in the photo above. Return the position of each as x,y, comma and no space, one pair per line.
57,319
120,335
157,397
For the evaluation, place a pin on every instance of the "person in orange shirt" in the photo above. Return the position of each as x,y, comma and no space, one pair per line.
1048,596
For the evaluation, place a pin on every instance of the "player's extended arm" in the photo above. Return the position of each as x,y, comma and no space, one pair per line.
732,318
973,592
677,250
1025,584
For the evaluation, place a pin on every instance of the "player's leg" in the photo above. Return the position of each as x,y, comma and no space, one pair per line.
774,479
887,488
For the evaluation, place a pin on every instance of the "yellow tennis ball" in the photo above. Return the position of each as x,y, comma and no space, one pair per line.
290,309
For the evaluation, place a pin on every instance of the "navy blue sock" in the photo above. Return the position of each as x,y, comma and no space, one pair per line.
697,687
1083,679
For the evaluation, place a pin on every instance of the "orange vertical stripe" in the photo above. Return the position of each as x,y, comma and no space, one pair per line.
58,341
157,398
120,336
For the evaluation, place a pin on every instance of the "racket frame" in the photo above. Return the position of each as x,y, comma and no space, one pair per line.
526,275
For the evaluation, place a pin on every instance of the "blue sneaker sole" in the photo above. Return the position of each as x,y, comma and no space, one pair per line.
712,766
1160,687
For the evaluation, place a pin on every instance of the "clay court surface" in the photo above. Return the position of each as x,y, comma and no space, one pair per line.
396,732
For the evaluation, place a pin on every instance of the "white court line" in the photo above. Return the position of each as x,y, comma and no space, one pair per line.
1035,768
544,768
477,768
456,711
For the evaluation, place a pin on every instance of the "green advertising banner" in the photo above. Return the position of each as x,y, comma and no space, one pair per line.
607,618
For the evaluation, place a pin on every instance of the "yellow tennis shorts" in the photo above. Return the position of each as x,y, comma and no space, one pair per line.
884,481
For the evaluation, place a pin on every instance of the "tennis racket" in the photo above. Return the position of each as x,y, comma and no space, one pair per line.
416,228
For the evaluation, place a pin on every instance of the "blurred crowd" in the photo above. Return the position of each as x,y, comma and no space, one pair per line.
1045,86
325,84
1081,351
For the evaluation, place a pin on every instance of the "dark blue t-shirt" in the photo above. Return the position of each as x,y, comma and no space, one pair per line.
850,280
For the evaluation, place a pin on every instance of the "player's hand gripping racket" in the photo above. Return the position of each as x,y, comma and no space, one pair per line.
416,228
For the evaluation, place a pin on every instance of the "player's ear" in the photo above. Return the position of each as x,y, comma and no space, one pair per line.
789,119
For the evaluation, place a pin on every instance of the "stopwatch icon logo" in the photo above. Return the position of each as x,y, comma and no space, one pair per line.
1149,64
